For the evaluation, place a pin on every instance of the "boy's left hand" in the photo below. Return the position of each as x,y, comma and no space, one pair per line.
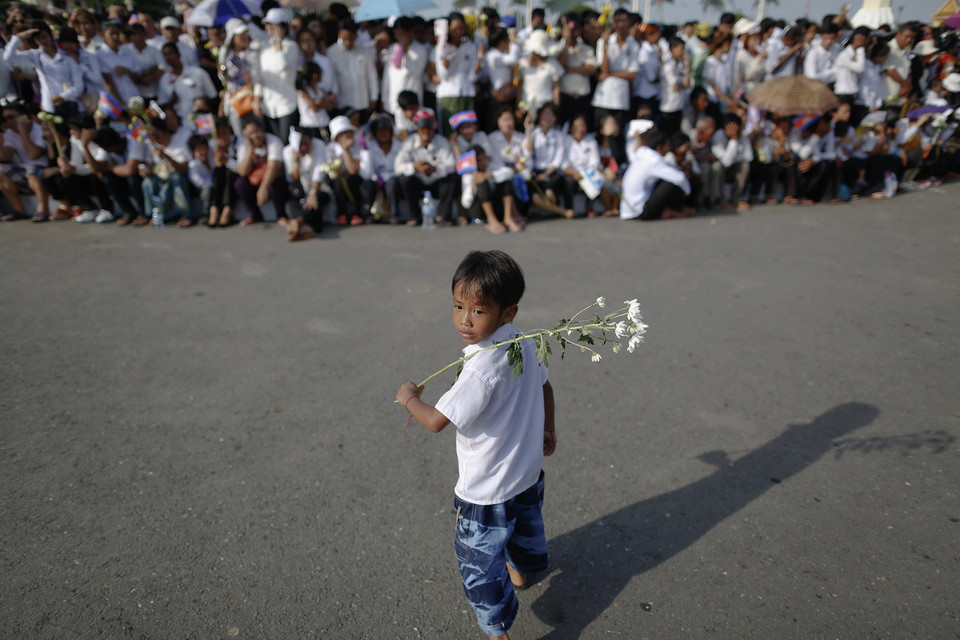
549,442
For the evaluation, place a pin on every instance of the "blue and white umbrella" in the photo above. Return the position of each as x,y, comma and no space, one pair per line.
213,13
380,9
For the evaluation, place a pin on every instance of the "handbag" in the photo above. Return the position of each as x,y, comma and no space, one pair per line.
256,176
242,101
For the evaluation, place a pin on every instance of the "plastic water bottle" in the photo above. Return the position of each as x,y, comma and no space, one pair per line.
889,184
428,207
156,217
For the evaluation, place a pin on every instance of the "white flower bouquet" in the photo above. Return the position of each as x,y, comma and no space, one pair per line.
623,327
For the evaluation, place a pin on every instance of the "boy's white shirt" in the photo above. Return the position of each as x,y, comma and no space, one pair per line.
499,421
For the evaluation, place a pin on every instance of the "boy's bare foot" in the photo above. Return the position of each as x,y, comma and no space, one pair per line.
518,579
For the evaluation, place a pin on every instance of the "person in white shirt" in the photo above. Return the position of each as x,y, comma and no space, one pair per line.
260,170
652,189
619,58
870,96
152,64
675,84
582,152
76,180
545,145
818,63
783,53
717,79
171,31
425,162
343,170
734,151
508,154
61,81
310,51
164,173
848,68
539,74
275,88
23,157
86,25
119,67
357,82
579,61
378,172
749,70
457,61
182,85
312,101
405,65
301,157
897,80
646,87
498,62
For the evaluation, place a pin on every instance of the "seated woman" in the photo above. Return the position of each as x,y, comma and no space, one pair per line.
482,196
223,197
23,154
734,151
75,182
425,162
544,144
377,171
260,171
583,152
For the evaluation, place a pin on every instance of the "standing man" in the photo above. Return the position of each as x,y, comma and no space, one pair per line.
897,80
619,58
356,72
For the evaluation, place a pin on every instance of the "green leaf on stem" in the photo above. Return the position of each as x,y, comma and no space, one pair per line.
515,359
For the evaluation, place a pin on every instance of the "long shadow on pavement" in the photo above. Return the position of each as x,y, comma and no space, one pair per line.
590,564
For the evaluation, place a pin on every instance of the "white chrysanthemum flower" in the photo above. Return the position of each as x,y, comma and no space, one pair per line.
601,301
634,342
621,330
638,327
633,311
616,347
595,357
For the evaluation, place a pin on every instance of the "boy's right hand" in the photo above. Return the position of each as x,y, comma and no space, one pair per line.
549,442
408,390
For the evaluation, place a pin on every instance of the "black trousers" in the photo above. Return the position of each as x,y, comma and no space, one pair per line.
444,190
666,195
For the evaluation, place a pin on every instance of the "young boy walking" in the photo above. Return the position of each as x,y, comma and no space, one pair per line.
504,429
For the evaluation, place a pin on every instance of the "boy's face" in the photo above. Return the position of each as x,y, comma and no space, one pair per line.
202,153
411,111
476,320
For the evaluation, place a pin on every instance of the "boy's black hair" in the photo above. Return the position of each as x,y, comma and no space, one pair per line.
407,99
196,141
678,139
498,35
477,149
538,13
732,118
494,275
657,139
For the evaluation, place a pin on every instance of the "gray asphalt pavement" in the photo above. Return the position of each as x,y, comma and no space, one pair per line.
199,438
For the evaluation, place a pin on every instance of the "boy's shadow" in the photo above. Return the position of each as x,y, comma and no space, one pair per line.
591,565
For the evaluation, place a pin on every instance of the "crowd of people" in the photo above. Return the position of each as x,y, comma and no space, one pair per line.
123,119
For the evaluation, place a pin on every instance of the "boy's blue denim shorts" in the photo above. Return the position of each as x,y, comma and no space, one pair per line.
489,536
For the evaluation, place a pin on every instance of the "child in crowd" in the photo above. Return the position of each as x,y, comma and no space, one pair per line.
345,178
200,174
481,192
505,426
312,100
409,104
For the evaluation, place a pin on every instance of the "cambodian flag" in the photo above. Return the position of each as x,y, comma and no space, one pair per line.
110,106
463,117
467,163
137,131
804,121
204,124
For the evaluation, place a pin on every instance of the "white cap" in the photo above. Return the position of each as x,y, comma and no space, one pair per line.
952,83
235,26
638,127
169,23
743,27
340,124
277,16
540,43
